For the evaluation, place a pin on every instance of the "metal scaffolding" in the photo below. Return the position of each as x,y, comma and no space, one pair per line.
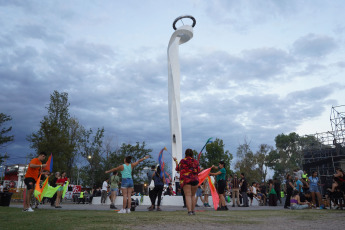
338,124
324,152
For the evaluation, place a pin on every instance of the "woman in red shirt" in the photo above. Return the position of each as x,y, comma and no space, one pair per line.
189,169
60,181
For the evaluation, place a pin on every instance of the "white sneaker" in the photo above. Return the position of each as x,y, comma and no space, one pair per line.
128,210
30,209
122,211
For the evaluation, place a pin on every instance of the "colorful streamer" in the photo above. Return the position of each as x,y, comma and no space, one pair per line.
207,142
202,177
162,164
215,197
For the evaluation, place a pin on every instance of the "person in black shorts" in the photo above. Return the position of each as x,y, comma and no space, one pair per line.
221,184
35,168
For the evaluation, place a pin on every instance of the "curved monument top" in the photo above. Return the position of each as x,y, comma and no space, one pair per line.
182,17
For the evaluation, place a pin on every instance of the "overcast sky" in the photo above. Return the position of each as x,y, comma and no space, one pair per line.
254,69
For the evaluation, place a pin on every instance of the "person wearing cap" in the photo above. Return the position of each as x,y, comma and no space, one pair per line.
221,184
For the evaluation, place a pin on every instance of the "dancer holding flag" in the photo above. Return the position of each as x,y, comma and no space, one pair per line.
221,184
189,169
32,174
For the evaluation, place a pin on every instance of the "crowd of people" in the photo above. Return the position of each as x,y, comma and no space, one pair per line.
300,190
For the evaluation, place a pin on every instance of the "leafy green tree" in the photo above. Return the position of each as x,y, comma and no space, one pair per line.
261,158
137,152
288,154
215,153
59,134
4,137
246,162
93,174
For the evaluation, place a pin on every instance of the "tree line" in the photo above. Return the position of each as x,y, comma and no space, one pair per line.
85,155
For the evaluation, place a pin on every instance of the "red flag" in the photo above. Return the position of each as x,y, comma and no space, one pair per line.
202,176
215,197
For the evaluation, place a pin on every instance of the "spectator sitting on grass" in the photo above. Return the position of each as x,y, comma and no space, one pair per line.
296,203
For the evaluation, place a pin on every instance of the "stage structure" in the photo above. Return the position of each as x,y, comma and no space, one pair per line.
324,152
338,124
181,35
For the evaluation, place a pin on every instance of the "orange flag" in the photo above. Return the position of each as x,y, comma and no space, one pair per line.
39,192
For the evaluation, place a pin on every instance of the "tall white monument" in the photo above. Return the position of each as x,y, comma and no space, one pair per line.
181,35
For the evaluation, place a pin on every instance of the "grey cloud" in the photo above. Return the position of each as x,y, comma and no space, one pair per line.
235,13
312,68
39,32
314,46
316,94
89,52
341,64
15,3
222,69
6,41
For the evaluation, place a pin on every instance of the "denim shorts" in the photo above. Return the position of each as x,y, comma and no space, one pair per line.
314,188
127,183
199,192
60,188
299,206
114,189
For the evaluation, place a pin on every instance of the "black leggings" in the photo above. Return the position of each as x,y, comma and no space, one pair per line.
288,196
157,191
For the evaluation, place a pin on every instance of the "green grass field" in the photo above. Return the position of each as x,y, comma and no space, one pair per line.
14,218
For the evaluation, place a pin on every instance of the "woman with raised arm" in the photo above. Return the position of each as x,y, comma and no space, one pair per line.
127,181
189,169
